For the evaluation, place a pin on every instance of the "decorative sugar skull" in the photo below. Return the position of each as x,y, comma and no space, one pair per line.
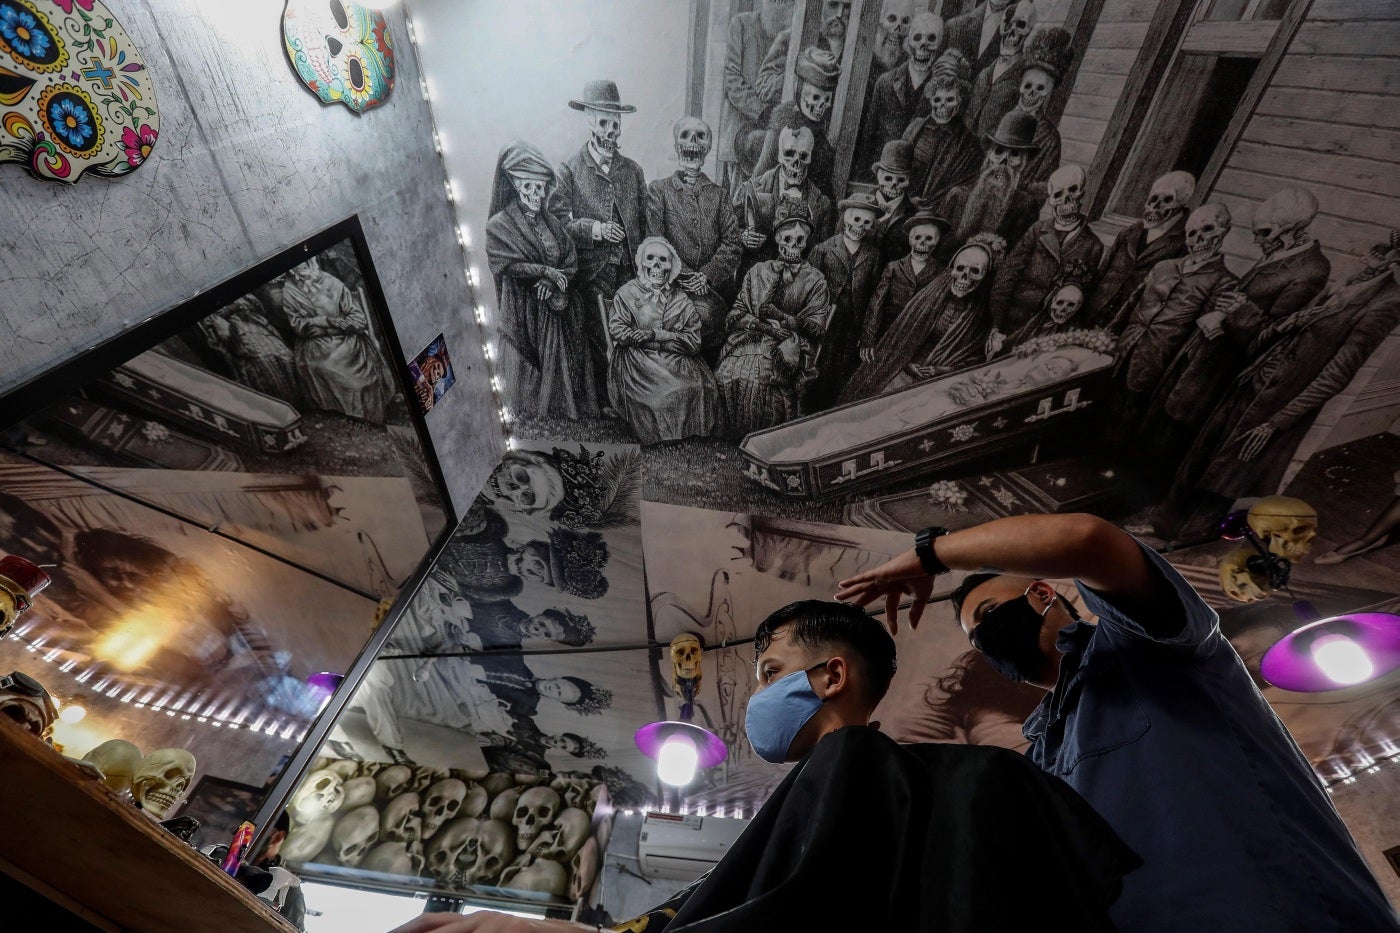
353,834
1065,302
583,869
535,810
1065,192
1016,24
450,845
562,839
814,101
605,126
343,52
792,242
1238,581
945,100
321,794
27,702
392,781
161,780
1205,230
400,821
655,267
358,792
923,239
75,96
1282,221
925,39
693,139
1168,197
441,803
531,191
1286,525
1036,87
544,876
526,482
118,760
969,268
794,154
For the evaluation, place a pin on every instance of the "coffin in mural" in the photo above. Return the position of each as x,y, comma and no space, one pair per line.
931,425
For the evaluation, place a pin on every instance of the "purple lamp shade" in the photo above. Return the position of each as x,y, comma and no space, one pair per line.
1334,653
710,747
325,680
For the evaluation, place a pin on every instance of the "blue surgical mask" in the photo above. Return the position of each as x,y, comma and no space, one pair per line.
778,712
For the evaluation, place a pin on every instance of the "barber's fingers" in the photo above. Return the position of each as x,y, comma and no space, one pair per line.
892,610
920,590
426,923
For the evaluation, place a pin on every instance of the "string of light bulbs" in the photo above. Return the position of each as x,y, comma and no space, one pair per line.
464,242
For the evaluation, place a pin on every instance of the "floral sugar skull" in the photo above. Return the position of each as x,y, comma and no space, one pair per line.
342,51
75,96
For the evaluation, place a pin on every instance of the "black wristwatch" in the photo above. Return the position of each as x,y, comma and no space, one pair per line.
923,547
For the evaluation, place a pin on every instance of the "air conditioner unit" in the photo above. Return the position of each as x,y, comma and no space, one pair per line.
684,847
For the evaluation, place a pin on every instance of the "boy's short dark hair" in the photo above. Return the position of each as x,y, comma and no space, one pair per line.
969,583
815,623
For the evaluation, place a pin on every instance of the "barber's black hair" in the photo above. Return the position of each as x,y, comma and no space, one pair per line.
814,623
969,583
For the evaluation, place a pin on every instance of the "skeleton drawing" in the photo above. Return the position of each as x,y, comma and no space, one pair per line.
997,87
746,104
998,201
850,262
1160,234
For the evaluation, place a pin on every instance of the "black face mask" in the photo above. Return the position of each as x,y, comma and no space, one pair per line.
1009,638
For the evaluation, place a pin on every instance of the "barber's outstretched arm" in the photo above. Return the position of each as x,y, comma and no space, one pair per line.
1075,545
487,922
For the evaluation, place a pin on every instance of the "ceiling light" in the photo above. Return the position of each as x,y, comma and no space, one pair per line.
1341,651
679,748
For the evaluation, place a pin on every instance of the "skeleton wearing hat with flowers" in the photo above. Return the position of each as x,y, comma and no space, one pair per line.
602,195
850,262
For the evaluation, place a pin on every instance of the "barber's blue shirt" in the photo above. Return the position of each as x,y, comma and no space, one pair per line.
1169,739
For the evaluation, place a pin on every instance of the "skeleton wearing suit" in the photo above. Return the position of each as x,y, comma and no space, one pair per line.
1159,235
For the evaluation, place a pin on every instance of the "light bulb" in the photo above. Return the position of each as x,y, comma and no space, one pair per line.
72,714
675,763
1342,660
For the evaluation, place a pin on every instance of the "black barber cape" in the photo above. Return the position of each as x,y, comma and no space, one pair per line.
869,835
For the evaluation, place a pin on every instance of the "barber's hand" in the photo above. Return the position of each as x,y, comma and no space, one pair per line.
1254,441
486,922
904,575
752,239
613,232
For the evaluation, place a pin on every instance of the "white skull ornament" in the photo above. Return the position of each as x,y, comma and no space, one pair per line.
562,839
393,781
118,760
400,821
320,794
450,844
161,780
535,810
969,267
440,803
543,876
76,94
1286,525
583,869
353,834
687,652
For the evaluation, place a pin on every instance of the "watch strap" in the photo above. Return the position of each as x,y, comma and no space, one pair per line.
923,548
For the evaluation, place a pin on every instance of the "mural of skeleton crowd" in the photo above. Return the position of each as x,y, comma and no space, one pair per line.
689,307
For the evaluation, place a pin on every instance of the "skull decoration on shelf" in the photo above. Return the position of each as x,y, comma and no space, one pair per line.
687,652
969,268
393,781
1286,525
118,760
161,780
543,876
693,139
353,834
75,101
342,51
1205,230
1168,197
1238,581
400,821
564,837
321,794
358,792
307,839
535,810
27,702
441,802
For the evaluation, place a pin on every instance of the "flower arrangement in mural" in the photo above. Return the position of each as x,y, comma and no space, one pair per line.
76,98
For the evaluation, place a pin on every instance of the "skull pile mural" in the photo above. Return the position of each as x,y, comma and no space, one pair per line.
75,94
465,832
342,51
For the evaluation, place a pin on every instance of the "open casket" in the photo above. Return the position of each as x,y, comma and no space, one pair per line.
932,425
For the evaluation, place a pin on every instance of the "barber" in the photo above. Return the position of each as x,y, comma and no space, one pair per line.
1151,715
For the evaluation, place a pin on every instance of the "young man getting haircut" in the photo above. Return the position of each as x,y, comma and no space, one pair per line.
1151,715
865,834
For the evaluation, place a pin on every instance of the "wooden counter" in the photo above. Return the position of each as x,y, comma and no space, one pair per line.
70,838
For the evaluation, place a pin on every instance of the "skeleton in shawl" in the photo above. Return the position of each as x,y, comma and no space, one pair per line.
902,279
850,261
1160,234
943,328
656,379
603,194
997,87
544,360
997,200
341,368
775,332
1041,255
694,215
945,151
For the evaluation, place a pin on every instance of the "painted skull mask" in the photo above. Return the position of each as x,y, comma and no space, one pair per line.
75,95
343,52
